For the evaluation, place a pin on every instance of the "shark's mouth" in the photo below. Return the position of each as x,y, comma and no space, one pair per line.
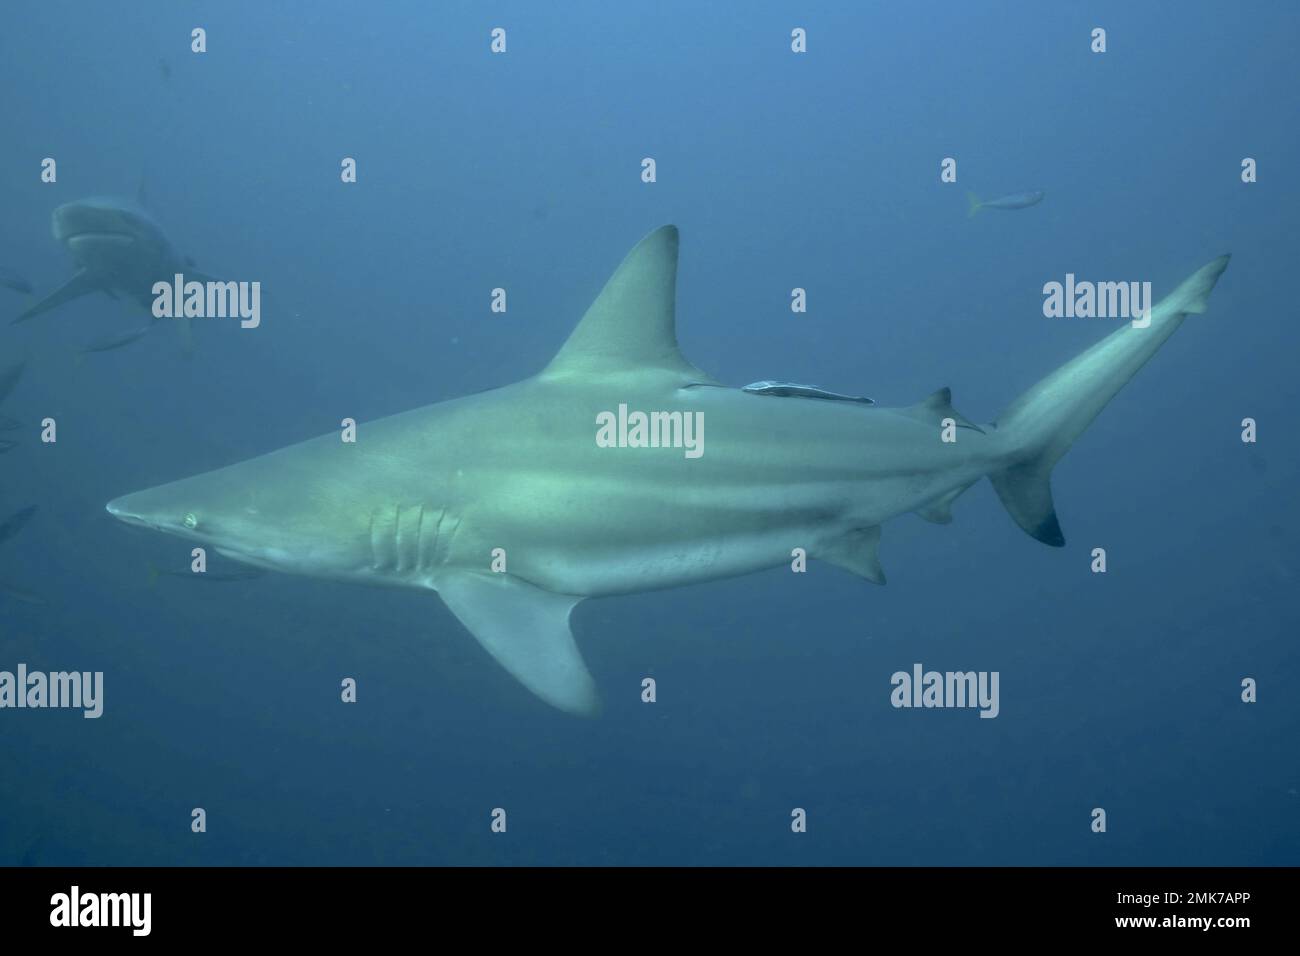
98,235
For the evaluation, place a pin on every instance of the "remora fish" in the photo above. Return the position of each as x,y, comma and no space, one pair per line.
15,522
210,576
21,594
12,280
438,497
793,390
9,378
1013,201
115,340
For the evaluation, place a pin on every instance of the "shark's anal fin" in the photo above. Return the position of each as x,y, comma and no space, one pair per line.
80,284
857,552
527,630
939,511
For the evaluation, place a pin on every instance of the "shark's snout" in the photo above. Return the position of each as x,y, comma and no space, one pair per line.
145,511
101,221
120,508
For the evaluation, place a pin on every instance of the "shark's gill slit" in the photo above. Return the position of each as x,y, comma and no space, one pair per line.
381,539
409,543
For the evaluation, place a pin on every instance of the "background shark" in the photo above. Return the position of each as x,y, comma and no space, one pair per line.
118,249
423,499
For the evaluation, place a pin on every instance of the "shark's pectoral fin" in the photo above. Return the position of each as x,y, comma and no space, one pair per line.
527,630
83,283
857,552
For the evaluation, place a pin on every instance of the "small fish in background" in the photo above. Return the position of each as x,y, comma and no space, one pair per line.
1013,201
8,424
114,340
12,280
15,522
164,68
222,577
9,378
7,444
21,594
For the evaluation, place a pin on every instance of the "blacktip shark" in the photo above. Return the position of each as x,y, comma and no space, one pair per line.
118,249
510,507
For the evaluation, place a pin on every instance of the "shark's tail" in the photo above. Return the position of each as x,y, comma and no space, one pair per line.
1041,424
973,205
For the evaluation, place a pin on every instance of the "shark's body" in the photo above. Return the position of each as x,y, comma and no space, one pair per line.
116,248
438,497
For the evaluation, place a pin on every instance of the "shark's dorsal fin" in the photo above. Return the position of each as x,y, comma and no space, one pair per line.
631,327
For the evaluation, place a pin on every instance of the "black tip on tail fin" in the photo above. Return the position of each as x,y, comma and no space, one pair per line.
1026,493
1041,425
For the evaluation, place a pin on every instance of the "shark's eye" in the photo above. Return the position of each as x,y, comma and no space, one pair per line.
191,521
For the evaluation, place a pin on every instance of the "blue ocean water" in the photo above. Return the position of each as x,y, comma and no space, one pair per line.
818,170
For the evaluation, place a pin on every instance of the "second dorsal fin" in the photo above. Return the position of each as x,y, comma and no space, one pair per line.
938,406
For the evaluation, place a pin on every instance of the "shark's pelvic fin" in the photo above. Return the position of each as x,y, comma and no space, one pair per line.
631,327
527,630
80,284
1041,424
857,552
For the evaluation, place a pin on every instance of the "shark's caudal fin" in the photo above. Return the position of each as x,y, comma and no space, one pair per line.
1039,427
973,205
